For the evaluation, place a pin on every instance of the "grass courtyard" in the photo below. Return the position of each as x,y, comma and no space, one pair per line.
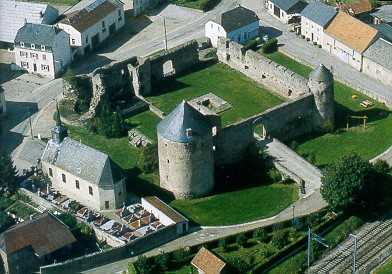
146,122
385,268
368,143
246,97
239,206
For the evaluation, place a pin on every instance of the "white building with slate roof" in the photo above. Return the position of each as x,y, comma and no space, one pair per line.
239,24
377,61
14,14
287,11
314,19
42,49
82,173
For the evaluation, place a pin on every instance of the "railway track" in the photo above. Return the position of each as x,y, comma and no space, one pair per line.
371,239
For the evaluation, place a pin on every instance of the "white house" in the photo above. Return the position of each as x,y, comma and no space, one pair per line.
347,38
239,24
82,173
377,61
314,19
287,11
42,49
14,14
91,25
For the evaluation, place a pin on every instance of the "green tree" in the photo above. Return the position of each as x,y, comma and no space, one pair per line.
344,182
69,220
5,221
280,238
148,159
270,46
109,124
144,265
241,239
7,172
162,261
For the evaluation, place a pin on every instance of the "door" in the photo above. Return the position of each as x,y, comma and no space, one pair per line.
106,204
35,67
95,41
277,11
312,37
112,28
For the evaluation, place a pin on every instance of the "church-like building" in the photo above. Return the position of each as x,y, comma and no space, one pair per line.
82,173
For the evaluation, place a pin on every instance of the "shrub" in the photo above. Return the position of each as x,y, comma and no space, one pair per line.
241,239
280,238
260,234
5,203
69,220
252,44
144,265
180,256
223,244
275,175
162,261
5,221
209,4
239,264
270,46
132,269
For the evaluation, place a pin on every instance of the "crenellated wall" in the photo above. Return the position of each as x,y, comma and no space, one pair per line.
261,69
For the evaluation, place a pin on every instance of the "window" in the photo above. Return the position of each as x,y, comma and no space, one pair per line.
43,56
168,161
42,47
86,39
22,44
119,193
24,64
119,15
90,190
64,178
23,53
103,26
73,41
106,204
32,46
33,55
45,67
77,184
50,172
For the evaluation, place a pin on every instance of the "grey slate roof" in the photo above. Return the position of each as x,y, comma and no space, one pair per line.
385,31
173,127
321,74
14,14
290,6
82,161
380,52
383,12
38,34
237,18
319,13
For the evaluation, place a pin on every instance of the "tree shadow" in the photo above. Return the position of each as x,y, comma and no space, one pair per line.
157,10
6,74
87,64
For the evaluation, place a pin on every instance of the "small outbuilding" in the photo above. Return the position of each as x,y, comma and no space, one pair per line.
26,246
239,24
382,14
207,262
314,19
287,11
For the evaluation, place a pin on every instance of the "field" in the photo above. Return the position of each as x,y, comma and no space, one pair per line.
368,143
238,206
385,268
146,122
246,97
56,2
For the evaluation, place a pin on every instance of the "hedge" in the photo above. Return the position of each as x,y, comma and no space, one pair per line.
270,46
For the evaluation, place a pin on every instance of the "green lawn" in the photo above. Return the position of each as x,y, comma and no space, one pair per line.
146,122
56,2
246,97
186,269
239,206
204,5
21,210
385,268
368,143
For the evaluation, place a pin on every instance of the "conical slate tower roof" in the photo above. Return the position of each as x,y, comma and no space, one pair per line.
321,74
173,127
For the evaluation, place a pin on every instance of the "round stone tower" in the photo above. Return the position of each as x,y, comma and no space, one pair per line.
321,85
185,150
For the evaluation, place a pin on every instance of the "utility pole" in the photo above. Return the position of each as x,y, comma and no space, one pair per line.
164,28
354,252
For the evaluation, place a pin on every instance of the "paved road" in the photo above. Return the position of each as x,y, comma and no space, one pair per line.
295,164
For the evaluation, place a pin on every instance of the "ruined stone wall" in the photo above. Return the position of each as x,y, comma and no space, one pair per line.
261,69
163,64
285,122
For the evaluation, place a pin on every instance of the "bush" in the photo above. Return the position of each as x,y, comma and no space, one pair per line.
275,175
280,238
162,261
5,221
209,4
252,44
5,203
132,269
270,46
180,256
109,124
260,234
69,220
241,239
144,265
239,264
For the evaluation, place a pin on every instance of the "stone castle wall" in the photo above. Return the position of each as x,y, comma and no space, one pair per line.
261,69
284,122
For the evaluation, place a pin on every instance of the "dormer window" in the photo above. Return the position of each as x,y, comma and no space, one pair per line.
42,47
22,44
32,46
